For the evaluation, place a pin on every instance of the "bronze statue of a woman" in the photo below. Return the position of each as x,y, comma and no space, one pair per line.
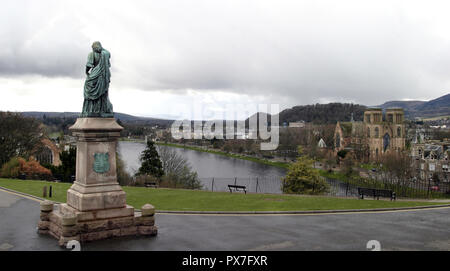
96,102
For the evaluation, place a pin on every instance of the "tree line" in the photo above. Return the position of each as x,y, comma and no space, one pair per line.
323,113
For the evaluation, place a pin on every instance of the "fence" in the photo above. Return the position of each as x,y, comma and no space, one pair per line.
252,184
273,185
409,189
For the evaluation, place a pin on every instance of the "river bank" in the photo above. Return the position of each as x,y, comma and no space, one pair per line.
284,165
224,169
278,164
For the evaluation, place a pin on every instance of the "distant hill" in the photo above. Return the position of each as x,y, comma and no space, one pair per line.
254,119
319,113
433,108
406,105
323,113
436,107
333,112
316,113
125,118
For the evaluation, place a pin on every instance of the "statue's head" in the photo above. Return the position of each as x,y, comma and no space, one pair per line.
97,47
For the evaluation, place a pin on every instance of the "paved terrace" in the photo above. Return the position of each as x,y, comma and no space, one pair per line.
427,229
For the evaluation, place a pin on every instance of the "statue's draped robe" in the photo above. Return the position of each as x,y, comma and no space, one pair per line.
96,101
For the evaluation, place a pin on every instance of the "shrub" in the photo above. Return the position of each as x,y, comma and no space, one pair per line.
342,153
302,178
11,168
31,169
185,179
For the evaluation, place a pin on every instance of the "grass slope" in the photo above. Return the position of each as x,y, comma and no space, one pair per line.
194,200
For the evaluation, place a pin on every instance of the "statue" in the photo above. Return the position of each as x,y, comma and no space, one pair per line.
95,197
96,102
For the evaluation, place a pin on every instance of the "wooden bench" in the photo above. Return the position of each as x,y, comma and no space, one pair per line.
376,193
151,184
366,192
237,187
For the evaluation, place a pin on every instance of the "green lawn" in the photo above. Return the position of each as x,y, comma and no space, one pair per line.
194,200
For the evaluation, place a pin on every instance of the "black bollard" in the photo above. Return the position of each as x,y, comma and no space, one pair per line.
50,192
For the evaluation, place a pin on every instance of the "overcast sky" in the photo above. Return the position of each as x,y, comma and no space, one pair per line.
170,56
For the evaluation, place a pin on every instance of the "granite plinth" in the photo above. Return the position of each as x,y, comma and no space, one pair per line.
96,204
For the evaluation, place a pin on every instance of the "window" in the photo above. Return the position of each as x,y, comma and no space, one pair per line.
390,118
399,132
386,142
376,117
368,132
377,132
431,167
338,141
45,156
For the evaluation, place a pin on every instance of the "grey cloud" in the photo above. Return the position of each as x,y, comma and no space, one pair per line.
303,52
37,39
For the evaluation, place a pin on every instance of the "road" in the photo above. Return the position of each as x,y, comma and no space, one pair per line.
427,229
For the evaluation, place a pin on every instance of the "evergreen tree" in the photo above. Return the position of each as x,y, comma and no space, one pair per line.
151,164
66,170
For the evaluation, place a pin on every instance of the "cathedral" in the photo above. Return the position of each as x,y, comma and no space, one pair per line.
376,135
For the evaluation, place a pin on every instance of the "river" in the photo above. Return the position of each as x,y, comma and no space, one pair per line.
216,172
224,170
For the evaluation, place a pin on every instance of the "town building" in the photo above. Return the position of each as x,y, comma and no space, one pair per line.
49,153
432,158
297,124
321,144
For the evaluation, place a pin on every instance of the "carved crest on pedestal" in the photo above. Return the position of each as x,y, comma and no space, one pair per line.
101,162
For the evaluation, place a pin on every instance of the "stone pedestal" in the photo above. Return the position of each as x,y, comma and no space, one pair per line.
96,204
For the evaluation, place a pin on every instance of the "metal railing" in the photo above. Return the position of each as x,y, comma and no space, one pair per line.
252,184
337,188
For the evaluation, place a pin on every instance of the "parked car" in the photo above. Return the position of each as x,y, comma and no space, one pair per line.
434,188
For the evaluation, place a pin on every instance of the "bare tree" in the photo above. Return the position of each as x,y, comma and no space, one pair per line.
172,162
177,169
123,177
398,167
360,144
